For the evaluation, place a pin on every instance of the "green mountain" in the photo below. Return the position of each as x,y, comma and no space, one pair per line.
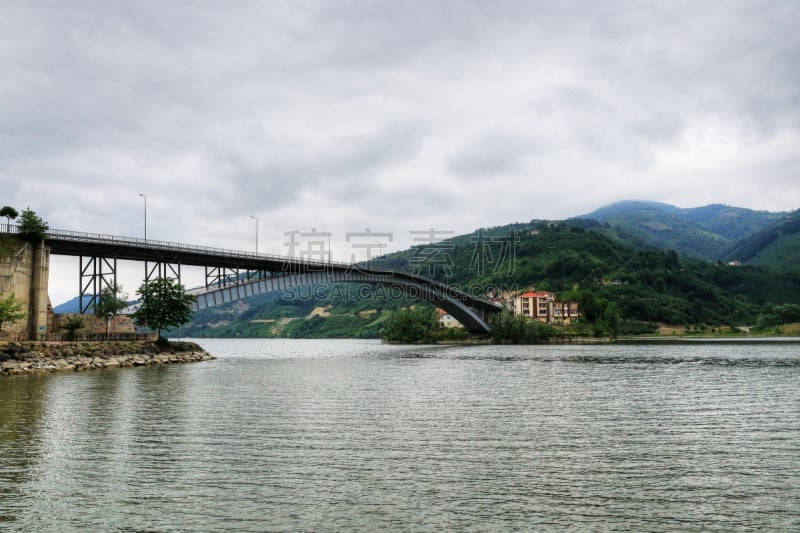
776,245
709,232
576,259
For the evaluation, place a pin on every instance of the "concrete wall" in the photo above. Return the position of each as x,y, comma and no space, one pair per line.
96,324
25,274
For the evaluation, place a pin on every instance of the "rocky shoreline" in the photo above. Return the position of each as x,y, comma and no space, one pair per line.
30,357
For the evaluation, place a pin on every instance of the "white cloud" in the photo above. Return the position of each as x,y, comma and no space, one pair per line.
390,115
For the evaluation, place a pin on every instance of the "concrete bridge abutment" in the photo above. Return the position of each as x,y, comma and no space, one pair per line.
39,299
25,274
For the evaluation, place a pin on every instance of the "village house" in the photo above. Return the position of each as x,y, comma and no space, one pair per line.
447,320
542,306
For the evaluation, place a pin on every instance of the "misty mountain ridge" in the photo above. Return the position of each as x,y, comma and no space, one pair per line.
714,232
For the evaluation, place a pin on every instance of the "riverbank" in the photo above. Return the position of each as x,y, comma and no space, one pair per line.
639,339
28,357
720,339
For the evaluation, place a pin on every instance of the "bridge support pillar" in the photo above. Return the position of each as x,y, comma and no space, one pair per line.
39,300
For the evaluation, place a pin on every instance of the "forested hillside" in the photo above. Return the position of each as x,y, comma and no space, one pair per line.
575,259
776,245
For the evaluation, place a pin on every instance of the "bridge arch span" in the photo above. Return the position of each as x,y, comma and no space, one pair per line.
451,300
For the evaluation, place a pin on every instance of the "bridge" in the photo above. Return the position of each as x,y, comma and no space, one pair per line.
232,274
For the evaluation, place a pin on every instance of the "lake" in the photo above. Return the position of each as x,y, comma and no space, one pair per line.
338,435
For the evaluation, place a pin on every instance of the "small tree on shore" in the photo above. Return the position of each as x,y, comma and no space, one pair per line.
72,325
612,319
416,324
165,305
111,301
508,328
10,310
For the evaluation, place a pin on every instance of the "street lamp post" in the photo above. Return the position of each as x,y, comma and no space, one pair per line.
256,219
145,215
146,266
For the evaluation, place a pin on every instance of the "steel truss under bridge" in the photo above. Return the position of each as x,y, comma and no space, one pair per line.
99,274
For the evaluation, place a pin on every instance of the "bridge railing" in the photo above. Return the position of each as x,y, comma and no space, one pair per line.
56,234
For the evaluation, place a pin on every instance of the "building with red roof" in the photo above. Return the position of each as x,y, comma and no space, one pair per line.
543,306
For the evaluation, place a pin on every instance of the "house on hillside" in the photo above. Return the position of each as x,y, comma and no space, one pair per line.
543,306
447,320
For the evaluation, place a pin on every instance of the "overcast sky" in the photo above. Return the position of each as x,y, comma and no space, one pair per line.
396,116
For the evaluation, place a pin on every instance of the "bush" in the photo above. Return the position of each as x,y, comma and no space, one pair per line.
413,325
31,227
514,329
72,325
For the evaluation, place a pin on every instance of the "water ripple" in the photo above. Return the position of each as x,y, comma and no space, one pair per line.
332,436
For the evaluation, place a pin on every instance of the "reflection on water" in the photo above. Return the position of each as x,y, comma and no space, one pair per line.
20,412
343,435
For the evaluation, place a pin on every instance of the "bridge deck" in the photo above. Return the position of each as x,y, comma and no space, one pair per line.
470,308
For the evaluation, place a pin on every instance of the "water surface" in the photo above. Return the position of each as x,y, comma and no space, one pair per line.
282,435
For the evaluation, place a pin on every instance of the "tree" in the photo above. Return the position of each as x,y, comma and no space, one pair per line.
31,226
72,324
417,324
111,301
165,305
508,328
10,310
8,212
671,260
612,320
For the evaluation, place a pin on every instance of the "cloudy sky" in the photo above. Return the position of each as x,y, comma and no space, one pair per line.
396,116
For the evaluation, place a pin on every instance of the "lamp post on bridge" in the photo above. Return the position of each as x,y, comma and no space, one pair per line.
146,268
145,215
256,219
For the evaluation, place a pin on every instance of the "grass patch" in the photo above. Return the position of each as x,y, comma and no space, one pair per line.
791,329
9,245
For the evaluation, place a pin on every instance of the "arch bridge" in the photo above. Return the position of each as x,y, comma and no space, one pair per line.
232,275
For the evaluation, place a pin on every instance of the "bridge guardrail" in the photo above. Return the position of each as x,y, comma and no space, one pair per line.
174,246
79,236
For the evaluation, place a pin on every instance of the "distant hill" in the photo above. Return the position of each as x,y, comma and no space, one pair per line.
708,232
72,306
776,245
